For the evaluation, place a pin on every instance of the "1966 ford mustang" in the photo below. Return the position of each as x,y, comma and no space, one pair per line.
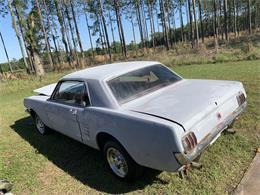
139,114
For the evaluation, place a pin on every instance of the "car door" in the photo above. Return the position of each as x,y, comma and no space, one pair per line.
66,103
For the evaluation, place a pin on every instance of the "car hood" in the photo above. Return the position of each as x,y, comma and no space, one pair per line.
186,101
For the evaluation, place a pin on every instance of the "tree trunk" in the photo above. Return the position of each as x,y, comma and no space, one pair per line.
45,35
187,12
144,22
105,29
102,32
67,37
62,30
249,16
89,34
119,34
169,23
6,54
72,33
123,35
255,16
31,67
187,17
165,29
151,23
173,27
120,27
215,23
101,35
195,22
201,21
51,29
140,23
191,25
133,29
226,21
38,65
235,18
77,30
1,71
181,21
157,19
230,18
112,30
18,35
220,25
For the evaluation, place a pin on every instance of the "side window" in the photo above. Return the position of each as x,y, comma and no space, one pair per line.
72,92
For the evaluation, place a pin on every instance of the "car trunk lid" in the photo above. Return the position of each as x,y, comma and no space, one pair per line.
46,90
188,102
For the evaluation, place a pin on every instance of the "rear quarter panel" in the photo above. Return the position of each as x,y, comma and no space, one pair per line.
149,142
206,121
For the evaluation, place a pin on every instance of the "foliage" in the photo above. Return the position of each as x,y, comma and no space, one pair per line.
3,8
158,23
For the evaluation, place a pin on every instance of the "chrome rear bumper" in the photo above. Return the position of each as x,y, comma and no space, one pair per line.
184,158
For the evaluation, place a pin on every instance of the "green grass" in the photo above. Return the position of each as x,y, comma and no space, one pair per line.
55,164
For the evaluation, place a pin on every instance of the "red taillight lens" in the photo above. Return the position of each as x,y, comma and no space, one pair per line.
189,141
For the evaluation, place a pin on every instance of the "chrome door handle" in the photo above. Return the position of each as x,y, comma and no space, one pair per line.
73,111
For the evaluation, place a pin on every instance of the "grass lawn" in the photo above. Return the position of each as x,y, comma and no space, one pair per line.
55,164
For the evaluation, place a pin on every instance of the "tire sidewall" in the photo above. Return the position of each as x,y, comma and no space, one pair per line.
133,167
44,131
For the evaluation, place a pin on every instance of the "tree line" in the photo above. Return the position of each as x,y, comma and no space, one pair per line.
48,30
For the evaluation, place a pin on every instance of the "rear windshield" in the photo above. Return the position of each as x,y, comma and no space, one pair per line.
137,83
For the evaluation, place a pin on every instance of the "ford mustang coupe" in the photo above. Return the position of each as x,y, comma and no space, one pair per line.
139,114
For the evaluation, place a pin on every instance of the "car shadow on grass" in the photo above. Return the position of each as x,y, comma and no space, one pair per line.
81,162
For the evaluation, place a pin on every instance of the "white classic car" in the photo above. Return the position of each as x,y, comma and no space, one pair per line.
139,114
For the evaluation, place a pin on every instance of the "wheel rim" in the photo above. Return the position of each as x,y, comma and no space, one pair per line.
39,125
117,162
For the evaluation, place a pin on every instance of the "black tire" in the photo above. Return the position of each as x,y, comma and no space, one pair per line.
133,169
43,130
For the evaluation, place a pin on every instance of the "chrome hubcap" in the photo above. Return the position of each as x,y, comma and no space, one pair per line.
39,125
117,162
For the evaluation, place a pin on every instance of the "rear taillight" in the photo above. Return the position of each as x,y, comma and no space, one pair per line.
189,142
241,98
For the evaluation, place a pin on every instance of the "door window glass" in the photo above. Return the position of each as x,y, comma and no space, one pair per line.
72,92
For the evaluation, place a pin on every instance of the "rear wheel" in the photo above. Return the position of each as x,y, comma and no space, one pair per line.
120,163
40,126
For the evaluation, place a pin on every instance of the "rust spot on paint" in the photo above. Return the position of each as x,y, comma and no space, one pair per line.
219,116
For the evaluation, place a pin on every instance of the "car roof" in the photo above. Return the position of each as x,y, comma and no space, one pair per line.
106,71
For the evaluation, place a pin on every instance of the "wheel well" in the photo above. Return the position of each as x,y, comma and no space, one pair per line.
32,112
102,138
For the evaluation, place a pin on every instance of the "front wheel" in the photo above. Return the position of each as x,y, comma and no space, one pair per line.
40,126
120,163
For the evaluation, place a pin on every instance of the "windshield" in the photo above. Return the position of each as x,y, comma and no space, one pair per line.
137,83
